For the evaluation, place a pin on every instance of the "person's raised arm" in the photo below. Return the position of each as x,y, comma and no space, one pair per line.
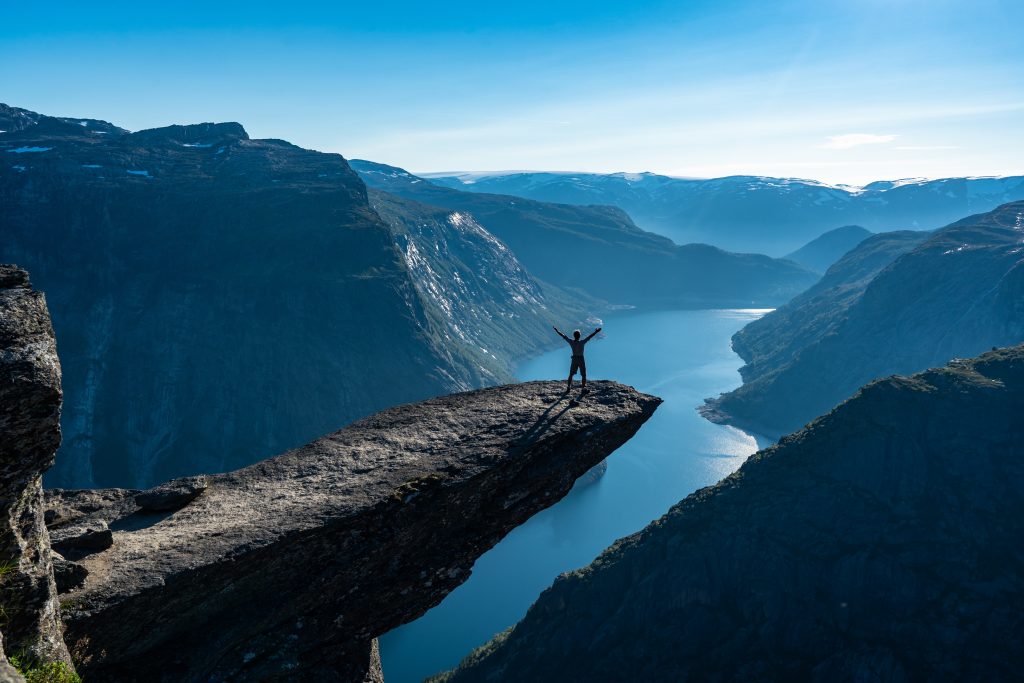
560,333
591,335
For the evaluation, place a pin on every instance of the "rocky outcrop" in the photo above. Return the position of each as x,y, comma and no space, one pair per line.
880,543
599,250
289,568
30,401
883,309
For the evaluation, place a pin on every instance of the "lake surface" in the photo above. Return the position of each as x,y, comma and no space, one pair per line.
681,356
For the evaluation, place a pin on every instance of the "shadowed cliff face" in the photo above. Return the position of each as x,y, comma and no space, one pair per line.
220,299
30,397
955,294
881,542
473,286
775,339
290,567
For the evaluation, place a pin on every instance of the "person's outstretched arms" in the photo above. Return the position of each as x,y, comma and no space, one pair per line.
560,333
591,335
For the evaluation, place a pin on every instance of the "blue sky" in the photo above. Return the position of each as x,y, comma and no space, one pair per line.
837,90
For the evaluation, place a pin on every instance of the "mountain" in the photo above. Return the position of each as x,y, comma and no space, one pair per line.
821,252
889,306
880,543
598,249
219,299
754,213
776,338
474,288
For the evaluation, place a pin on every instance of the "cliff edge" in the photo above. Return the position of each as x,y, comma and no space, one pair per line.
30,400
289,568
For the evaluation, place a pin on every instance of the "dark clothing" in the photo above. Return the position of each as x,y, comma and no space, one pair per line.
577,363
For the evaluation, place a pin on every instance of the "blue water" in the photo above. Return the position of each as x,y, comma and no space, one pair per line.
681,356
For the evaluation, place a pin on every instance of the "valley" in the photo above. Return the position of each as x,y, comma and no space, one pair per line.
897,303
273,414
674,354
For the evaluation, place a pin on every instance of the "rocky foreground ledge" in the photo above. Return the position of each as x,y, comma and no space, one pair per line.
288,569
30,400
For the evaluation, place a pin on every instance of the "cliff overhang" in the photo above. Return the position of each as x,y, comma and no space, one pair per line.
292,566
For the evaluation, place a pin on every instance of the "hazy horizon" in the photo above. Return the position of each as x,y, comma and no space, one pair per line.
503,172
844,93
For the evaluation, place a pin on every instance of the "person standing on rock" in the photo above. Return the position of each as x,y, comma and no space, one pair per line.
578,362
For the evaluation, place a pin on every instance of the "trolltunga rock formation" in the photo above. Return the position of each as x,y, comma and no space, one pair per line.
288,569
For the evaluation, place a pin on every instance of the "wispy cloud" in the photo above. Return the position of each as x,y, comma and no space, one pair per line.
855,140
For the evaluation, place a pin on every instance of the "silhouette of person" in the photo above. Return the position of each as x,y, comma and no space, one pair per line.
578,361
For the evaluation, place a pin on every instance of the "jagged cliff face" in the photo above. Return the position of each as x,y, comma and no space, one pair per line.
599,250
955,294
218,299
880,543
473,286
287,569
30,396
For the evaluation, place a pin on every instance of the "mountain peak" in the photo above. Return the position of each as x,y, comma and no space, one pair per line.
196,133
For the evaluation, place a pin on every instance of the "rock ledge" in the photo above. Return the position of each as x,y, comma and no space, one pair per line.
290,567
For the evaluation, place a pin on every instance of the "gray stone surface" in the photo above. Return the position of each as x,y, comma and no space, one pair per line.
173,495
67,574
30,399
8,674
287,569
75,540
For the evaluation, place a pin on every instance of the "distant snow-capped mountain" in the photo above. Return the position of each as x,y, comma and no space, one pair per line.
753,213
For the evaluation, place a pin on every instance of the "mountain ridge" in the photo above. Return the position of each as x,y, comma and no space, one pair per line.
900,307
600,250
820,253
860,548
759,213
